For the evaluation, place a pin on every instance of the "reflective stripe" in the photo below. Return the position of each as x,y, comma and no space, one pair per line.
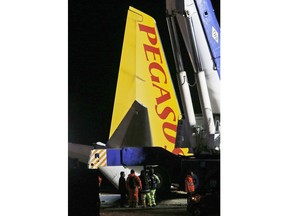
190,184
94,161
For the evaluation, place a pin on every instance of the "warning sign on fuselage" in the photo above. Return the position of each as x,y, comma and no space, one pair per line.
215,34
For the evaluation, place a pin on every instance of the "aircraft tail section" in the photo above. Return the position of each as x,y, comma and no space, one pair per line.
145,109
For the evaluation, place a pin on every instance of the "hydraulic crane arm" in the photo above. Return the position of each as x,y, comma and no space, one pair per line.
204,59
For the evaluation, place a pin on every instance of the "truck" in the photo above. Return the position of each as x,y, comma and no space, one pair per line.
149,127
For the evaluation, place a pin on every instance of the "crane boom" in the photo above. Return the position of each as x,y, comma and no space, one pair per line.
205,60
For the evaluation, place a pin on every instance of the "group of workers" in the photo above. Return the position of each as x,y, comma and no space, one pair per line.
139,188
143,187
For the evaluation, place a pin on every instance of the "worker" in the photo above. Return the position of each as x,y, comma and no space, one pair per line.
122,189
155,181
133,185
146,187
189,185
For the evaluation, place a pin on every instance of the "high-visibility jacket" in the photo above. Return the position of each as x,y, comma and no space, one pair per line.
189,184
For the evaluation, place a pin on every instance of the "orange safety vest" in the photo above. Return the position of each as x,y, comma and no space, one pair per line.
189,184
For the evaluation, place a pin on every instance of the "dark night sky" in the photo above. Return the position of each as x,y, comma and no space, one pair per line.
95,36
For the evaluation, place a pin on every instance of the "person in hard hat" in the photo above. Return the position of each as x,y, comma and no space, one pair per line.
189,185
133,184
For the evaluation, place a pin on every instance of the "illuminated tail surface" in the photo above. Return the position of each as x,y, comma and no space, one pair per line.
146,109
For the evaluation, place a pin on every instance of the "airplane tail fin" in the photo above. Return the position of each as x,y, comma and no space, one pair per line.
146,109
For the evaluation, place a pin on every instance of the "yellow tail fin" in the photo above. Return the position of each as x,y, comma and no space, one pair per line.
144,81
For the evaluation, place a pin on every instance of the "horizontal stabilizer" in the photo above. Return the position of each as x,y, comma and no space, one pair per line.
79,152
